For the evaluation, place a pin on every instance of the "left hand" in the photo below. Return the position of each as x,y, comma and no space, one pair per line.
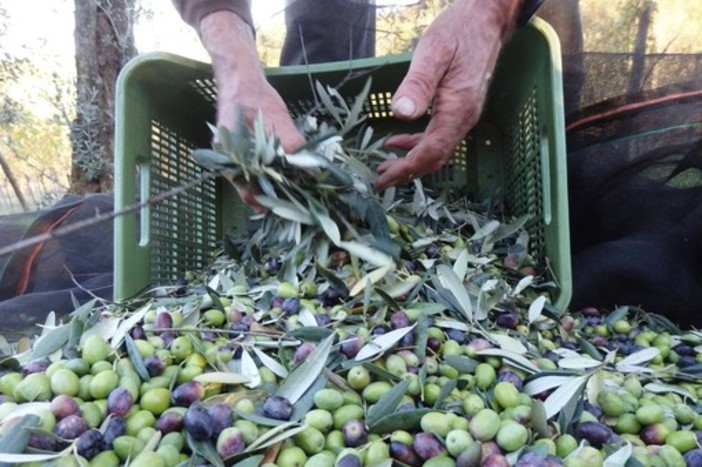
450,70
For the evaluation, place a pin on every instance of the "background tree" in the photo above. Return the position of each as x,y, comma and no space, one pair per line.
104,42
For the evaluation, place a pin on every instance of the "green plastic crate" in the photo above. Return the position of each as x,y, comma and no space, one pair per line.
164,102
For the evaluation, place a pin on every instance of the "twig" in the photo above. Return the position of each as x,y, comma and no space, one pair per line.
106,216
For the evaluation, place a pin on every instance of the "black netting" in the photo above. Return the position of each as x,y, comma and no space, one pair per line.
635,182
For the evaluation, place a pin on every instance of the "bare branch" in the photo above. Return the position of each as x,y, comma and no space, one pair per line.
99,218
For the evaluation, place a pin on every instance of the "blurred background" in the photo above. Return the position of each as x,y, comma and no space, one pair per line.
59,58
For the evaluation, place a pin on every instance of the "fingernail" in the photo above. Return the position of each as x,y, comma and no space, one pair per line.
404,106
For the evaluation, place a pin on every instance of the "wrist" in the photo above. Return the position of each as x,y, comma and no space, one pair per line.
229,41
502,13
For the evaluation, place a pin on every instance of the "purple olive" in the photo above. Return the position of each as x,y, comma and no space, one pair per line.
426,445
169,421
323,319
404,453
119,402
36,366
553,461
42,442
187,393
222,417
62,406
198,423
349,460
164,320
434,344
277,302
154,365
302,352
291,306
693,458
653,434
508,319
595,433
590,312
495,460
89,444
230,442
458,336
510,377
70,427
138,333
355,433
278,407
331,297
209,336
168,337
432,251
351,345
407,340
531,459
379,330
116,427
399,319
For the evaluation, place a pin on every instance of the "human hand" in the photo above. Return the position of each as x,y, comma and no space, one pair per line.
450,70
242,88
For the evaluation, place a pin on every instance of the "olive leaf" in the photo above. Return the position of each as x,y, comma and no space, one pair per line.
544,383
619,457
127,324
135,357
663,388
450,281
405,420
275,435
464,365
387,403
50,341
15,440
445,391
578,363
371,278
637,358
508,343
564,394
535,309
271,363
304,375
513,358
382,343
371,255
221,377
616,315
205,450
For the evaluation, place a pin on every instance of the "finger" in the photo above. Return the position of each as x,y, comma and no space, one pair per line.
429,63
394,172
405,141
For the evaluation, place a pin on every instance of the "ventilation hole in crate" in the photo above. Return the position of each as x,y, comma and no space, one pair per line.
524,184
206,88
454,174
183,227
378,105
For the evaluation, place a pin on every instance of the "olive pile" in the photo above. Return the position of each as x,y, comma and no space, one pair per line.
300,373
463,407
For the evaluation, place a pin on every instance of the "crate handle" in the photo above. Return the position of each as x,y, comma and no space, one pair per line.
545,150
143,173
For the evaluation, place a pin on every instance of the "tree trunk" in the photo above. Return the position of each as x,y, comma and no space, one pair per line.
639,56
13,182
104,41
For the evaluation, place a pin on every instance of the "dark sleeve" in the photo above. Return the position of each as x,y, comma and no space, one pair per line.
193,11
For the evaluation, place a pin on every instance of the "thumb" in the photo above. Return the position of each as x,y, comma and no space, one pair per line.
416,92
